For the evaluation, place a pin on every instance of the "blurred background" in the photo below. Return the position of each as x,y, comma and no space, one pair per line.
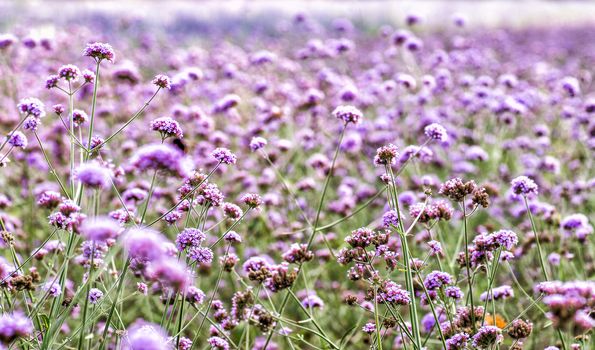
229,13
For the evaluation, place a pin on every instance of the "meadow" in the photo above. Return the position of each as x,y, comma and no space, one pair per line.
300,184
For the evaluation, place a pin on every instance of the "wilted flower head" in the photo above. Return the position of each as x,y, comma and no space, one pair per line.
487,336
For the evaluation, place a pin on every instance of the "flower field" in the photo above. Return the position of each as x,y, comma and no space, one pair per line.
306,184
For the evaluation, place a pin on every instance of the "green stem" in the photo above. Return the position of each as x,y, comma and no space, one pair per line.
539,251
93,104
468,267
103,339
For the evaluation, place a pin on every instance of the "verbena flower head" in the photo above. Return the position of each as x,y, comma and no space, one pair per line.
14,325
457,342
189,237
437,279
100,229
94,175
100,51
52,81
390,219
95,295
146,336
257,143
69,72
79,117
252,200
18,139
224,156
161,157
162,81
348,114
32,106
167,127
436,132
218,343
525,186
232,211
53,289
144,244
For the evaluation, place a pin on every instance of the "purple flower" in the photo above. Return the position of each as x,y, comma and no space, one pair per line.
252,200
52,81
457,341
224,156
232,211
95,295
172,273
313,301
524,186
386,155
14,325
453,292
167,127
100,229
162,81
79,117
146,336
348,114
502,292
436,132
390,218
435,248
369,328
18,139
390,292
94,175
218,343
53,289
232,237
257,143
195,295
69,72
31,106
437,279
202,255
161,157
100,51
189,237
144,244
